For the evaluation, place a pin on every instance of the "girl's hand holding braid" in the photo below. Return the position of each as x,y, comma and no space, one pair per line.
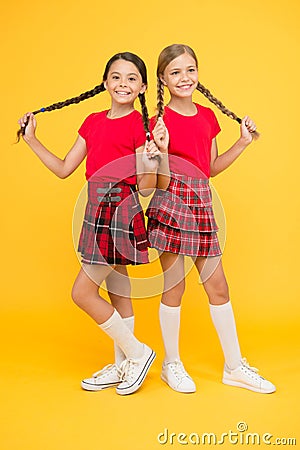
247,129
151,156
161,135
28,122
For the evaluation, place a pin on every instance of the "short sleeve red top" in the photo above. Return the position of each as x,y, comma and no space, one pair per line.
108,140
190,140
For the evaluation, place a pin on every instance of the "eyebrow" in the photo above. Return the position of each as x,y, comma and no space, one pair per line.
132,73
188,67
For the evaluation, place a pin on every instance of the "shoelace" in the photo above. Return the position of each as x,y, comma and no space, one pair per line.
253,369
246,364
102,371
126,368
179,370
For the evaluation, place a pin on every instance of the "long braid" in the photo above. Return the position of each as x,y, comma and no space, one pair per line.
222,108
217,102
160,98
85,95
145,114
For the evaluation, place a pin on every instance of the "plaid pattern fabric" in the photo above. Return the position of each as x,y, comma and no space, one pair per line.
113,232
181,219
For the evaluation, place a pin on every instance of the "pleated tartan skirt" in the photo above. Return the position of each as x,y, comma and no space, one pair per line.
181,219
113,230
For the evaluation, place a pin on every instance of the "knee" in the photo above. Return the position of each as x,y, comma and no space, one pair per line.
174,293
221,290
78,294
218,291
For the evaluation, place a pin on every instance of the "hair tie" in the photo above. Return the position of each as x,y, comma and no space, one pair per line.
43,109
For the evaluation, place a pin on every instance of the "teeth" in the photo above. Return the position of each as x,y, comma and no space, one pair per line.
122,93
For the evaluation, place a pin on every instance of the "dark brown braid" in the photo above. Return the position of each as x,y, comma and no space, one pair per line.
160,98
127,56
145,115
88,94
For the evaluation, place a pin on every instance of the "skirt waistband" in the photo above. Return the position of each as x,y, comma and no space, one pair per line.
99,191
189,180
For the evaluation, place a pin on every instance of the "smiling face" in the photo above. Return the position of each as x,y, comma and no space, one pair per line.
181,76
124,82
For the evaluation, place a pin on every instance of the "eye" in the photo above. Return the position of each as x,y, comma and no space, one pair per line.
115,77
132,79
192,70
176,72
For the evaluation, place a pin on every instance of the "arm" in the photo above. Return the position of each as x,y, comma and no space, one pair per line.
60,167
221,162
146,168
161,138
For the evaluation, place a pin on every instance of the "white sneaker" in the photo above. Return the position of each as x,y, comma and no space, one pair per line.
175,375
134,371
247,377
105,378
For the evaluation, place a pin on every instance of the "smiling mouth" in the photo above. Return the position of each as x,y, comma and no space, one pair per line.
122,93
185,86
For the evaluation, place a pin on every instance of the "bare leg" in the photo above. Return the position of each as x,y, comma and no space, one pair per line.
85,293
174,281
118,281
216,285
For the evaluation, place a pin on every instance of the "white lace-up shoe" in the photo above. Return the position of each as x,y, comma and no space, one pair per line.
105,378
175,375
134,371
247,377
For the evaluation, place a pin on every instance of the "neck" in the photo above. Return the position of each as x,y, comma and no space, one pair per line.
117,110
183,106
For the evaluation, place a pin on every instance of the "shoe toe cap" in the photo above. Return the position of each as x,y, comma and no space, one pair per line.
267,386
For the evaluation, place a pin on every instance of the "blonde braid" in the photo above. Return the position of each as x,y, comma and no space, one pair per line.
222,108
217,102
160,98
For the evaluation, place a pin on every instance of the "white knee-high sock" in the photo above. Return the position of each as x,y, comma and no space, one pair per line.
223,320
119,354
169,317
115,328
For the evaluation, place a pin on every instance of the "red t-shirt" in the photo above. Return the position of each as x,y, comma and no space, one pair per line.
108,140
190,140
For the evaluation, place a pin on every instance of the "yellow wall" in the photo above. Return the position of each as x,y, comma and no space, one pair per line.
248,57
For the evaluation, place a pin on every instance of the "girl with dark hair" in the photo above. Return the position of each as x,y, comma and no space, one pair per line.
112,142
181,219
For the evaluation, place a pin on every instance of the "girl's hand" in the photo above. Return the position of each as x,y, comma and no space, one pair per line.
151,156
248,127
161,135
29,123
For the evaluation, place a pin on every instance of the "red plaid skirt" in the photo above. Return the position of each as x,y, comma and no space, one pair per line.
113,232
181,219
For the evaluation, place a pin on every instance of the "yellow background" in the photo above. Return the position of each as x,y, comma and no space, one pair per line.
249,58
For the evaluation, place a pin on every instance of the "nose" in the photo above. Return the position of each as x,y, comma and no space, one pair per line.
123,82
184,75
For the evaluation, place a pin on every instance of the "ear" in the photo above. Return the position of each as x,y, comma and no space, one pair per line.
143,89
163,80
105,84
